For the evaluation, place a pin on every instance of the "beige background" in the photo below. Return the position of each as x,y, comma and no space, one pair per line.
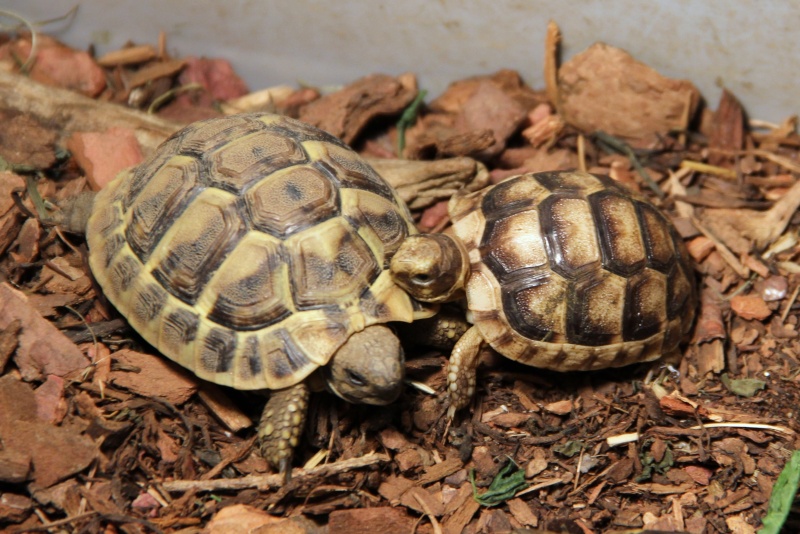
749,46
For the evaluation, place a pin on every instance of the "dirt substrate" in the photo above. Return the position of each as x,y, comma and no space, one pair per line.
98,433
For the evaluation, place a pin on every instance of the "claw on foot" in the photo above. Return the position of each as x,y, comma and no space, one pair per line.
285,468
281,425
461,375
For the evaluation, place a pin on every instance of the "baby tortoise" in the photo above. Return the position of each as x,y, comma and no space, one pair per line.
254,250
561,270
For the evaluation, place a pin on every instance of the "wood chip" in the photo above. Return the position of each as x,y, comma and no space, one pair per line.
522,512
43,443
221,406
711,357
537,464
42,349
701,475
750,307
127,56
346,112
604,88
441,470
710,324
562,407
69,112
510,420
154,71
383,519
393,487
244,518
699,248
409,459
423,183
455,523
414,498
727,129
153,376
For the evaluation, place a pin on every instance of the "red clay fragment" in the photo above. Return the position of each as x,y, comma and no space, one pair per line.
216,75
59,65
433,216
145,503
103,155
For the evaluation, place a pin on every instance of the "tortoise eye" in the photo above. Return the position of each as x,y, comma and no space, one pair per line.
356,379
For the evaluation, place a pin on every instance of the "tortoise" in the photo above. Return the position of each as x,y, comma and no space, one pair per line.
561,270
253,250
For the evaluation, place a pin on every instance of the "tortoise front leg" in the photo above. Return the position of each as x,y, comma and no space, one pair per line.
281,425
461,370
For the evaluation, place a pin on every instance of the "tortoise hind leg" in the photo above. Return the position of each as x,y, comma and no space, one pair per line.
281,425
461,370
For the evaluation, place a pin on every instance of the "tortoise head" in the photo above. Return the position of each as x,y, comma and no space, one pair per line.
431,267
368,368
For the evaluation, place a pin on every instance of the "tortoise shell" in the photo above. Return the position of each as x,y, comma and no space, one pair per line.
571,271
249,248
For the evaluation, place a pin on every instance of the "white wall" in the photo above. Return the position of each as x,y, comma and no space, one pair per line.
752,47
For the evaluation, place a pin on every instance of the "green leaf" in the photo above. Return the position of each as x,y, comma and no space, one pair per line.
650,466
505,485
569,449
408,118
783,493
744,387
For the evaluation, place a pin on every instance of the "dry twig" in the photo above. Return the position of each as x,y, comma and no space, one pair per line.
275,480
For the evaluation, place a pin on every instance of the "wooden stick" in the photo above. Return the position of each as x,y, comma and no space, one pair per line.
274,480
551,44
72,112
420,183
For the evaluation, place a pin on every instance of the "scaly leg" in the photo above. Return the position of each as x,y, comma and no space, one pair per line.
281,425
461,370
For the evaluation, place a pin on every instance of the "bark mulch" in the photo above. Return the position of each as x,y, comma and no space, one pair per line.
98,433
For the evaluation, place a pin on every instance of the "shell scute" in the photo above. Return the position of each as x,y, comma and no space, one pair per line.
246,160
293,200
196,244
572,271
249,248
216,351
249,290
330,265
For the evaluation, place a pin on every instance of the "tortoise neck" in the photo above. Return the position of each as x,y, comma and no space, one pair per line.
75,213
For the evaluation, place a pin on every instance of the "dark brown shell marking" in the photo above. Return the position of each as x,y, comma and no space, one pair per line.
578,261
249,248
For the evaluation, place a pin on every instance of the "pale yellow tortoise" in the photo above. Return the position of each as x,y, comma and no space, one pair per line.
254,250
561,270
